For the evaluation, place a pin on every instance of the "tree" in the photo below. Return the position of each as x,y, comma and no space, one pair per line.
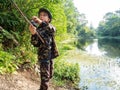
110,26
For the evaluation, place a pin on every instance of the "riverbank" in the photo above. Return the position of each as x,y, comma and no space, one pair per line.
97,72
108,37
81,57
70,55
25,80
28,80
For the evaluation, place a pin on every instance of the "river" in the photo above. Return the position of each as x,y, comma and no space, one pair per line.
104,75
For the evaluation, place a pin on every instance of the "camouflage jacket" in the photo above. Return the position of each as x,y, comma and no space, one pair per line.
47,50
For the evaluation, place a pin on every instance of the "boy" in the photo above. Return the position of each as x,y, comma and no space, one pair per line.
47,50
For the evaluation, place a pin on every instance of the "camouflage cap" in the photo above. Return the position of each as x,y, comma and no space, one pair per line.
47,11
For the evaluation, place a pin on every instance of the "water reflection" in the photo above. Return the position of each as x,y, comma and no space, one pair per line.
103,76
106,74
81,43
93,49
111,46
107,47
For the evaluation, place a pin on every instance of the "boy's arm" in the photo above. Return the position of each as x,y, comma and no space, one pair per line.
35,41
47,35
34,38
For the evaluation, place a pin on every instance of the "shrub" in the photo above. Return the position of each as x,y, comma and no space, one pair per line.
7,62
65,71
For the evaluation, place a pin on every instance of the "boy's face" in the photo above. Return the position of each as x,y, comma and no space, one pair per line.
44,17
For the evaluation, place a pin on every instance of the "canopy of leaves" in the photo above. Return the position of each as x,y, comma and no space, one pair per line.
110,26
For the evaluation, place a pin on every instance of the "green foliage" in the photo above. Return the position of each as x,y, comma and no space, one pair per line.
76,22
65,71
8,39
72,16
16,28
7,62
83,42
85,32
65,19
67,47
110,26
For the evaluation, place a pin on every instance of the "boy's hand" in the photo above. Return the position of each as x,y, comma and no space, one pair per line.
37,20
32,29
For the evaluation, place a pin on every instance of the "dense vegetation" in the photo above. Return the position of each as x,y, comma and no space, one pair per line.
15,47
110,25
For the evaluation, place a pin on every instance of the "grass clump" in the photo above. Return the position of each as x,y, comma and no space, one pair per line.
65,72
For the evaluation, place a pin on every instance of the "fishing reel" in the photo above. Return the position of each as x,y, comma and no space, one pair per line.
34,23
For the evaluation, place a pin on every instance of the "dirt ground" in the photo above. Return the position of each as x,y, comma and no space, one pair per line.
25,80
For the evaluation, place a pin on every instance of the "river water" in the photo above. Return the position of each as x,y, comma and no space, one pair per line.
104,75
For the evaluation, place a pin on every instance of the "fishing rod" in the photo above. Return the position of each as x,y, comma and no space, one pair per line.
31,23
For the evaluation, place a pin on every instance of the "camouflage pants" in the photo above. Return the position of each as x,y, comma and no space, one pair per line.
46,73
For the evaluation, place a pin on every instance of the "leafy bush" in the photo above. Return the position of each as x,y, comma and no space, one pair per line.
66,72
7,62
